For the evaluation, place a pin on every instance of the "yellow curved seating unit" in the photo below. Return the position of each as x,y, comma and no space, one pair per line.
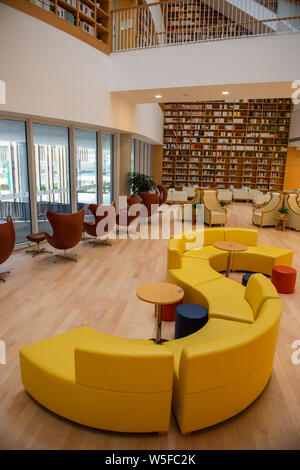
221,369
126,385
100,380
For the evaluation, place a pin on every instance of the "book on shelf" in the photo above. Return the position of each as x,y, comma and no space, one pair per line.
45,4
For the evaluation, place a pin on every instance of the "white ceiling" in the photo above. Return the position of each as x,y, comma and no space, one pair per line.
213,92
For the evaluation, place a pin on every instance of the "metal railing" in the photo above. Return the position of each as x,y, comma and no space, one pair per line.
171,22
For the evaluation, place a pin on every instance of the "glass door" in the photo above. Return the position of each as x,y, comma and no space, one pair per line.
107,165
14,189
51,153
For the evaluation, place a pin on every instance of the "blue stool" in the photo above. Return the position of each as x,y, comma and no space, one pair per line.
189,318
246,278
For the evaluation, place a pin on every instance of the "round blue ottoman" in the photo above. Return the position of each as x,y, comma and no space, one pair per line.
246,278
189,318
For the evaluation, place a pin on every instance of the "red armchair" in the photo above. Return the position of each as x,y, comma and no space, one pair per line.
7,242
163,193
67,232
151,202
91,227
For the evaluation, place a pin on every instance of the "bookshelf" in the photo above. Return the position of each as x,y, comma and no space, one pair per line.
88,20
195,21
218,144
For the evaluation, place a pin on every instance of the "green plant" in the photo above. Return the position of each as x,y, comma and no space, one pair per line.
140,183
223,203
283,210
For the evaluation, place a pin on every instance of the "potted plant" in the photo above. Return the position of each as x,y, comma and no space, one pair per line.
283,211
141,183
223,203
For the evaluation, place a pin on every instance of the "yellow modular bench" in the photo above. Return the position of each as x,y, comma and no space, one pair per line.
101,381
222,368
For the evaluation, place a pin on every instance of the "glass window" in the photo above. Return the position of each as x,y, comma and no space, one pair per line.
107,164
137,156
14,190
142,150
51,153
132,156
86,167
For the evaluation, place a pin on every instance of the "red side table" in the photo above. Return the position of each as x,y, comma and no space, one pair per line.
168,311
284,279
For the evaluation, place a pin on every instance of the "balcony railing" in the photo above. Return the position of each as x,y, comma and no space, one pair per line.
187,21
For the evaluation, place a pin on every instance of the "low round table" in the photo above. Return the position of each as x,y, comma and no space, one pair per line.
159,293
231,247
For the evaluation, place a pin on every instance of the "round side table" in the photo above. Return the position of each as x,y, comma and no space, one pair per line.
231,247
159,293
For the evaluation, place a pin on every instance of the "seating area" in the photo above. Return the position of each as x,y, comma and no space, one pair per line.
242,322
149,228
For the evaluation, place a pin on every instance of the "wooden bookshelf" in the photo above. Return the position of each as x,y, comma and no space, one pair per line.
218,144
88,20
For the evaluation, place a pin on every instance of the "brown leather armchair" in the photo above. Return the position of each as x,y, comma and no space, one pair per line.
151,202
67,232
91,227
163,193
7,242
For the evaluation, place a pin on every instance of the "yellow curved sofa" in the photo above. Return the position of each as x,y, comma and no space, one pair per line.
126,385
221,369
101,381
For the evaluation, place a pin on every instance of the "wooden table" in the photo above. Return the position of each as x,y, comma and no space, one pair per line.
159,293
230,247
277,223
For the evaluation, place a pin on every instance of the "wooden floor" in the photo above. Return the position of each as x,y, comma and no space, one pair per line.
42,299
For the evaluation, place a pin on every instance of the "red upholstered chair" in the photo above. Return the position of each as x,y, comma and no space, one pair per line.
7,242
91,227
67,232
151,202
163,194
125,217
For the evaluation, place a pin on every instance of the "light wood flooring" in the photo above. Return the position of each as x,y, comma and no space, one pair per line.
42,299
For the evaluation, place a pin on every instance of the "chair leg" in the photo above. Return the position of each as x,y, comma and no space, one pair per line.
2,278
70,257
38,251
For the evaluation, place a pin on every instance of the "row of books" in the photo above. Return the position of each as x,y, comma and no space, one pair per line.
86,10
45,4
66,15
87,27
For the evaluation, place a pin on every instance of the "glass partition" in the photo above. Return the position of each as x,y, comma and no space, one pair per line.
86,167
14,190
51,153
107,156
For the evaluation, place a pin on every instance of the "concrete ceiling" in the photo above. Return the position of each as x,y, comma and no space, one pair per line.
206,93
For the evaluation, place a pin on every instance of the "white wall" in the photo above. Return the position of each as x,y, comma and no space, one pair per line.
51,74
235,61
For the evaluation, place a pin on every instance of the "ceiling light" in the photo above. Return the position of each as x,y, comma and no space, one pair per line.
225,92
158,96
